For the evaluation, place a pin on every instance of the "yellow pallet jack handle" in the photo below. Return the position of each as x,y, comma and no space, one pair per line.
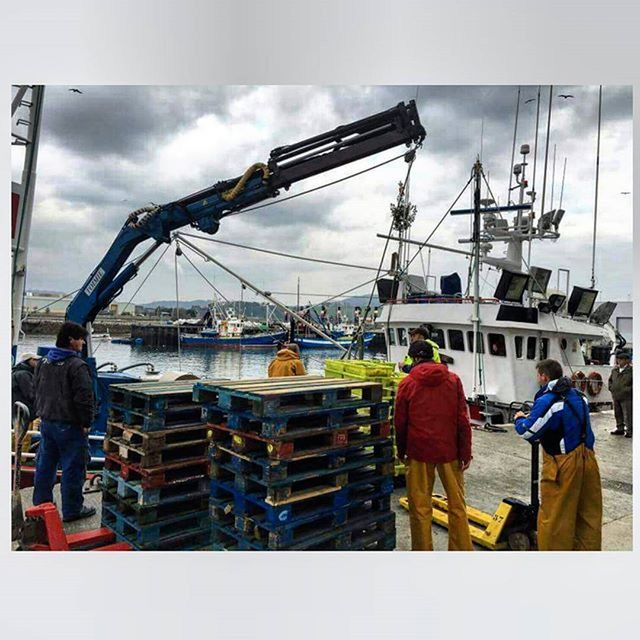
486,529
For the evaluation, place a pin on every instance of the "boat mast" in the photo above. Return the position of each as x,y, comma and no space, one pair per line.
477,177
26,191
595,206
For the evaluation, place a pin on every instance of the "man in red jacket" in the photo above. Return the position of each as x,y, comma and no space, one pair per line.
433,433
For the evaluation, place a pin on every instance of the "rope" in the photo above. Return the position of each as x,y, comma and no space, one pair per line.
232,194
279,253
323,186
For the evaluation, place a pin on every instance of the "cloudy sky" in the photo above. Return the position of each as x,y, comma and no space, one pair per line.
113,149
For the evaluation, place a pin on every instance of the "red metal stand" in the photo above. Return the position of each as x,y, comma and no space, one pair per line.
44,532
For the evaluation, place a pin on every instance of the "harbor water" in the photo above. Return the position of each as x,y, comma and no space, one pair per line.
202,362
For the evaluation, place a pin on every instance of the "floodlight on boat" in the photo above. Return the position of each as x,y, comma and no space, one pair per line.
545,221
512,286
553,304
540,279
581,302
557,218
517,169
602,314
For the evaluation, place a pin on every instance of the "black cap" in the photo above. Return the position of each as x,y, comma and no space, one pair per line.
421,349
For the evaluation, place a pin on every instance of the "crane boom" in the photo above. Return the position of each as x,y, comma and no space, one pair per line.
204,210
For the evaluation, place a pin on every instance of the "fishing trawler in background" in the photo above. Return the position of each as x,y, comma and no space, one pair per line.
231,332
493,343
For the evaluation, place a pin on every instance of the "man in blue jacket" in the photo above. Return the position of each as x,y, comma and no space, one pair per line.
570,515
65,403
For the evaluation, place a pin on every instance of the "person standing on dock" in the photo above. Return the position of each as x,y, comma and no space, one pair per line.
570,515
419,333
65,403
433,433
22,382
621,387
287,362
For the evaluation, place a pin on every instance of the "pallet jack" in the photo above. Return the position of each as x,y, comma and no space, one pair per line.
513,525
43,531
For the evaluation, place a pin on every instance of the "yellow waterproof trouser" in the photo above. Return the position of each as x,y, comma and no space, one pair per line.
420,481
570,516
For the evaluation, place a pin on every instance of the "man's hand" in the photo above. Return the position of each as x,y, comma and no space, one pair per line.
464,465
400,365
520,414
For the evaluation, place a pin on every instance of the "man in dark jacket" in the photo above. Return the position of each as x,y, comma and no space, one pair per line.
433,433
22,383
64,401
621,387
570,515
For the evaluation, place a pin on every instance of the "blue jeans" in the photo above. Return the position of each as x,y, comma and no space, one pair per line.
64,444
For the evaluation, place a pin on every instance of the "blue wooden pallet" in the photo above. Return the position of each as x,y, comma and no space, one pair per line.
303,423
263,469
129,508
134,491
194,541
361,533
307,483
227,500
283,535
138,455
156,532
188,415
155,440
288,397
297,445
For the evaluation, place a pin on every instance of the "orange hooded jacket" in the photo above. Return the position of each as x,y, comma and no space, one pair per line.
286,363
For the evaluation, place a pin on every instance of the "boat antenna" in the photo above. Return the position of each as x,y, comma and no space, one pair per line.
564,171
595,206
533,180
553,175
513,148
546,150
477,178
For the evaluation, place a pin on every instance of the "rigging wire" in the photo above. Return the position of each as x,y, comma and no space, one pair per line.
322,186
279,253
175,259
206,279
146,278
595,206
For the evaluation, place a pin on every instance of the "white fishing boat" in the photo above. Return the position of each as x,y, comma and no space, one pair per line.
523,322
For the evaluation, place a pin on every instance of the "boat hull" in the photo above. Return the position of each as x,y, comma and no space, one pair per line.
265,340
320,343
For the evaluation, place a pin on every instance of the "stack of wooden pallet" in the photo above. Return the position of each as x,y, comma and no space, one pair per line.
299,463
155,478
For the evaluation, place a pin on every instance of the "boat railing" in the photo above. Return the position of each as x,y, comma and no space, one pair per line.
443,300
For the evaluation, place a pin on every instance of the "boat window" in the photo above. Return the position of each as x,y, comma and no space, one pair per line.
391,333
437,335
497,346
531,347
402,337
456,340
544,348
480,341
563,344
518,342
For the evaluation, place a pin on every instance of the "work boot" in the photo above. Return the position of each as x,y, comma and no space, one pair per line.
85,512
617,432
628,434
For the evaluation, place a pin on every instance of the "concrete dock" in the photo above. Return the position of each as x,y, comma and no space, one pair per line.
501,469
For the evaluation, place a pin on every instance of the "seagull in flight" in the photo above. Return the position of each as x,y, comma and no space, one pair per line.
529,100
565,95
74,90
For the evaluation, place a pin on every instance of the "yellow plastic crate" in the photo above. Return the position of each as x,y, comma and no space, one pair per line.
369,368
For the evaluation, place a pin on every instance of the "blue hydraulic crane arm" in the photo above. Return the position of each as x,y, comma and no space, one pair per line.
204,209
